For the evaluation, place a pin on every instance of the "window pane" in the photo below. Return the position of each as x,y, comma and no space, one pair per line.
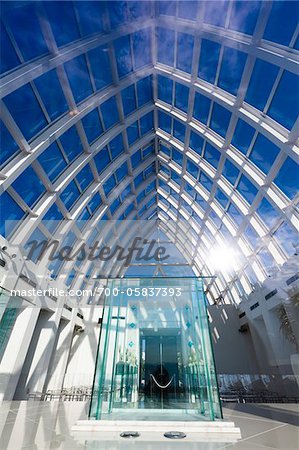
29,187
232,66
208,61
52,161
11,214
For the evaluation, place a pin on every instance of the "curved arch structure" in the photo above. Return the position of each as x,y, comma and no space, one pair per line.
182,114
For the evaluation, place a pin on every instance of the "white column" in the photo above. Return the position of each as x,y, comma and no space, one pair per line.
43,351
16,350
62,351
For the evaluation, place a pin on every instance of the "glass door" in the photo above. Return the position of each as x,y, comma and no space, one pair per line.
155,353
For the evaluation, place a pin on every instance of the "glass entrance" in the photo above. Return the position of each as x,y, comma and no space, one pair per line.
155,359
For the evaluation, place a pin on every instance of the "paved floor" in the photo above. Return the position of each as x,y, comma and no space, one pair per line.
47,425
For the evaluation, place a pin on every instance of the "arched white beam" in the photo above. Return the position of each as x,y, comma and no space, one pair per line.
112,268
280,56
118,226
30,71
226,280
201,239
54,130
36,214
264,183
82,237
264,124
104,268
236,234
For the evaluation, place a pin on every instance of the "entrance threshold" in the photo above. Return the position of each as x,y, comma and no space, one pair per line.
153,431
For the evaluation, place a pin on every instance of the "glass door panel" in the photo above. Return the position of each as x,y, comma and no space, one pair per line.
155,354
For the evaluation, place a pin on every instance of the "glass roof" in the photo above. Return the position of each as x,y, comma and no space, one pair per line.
182,111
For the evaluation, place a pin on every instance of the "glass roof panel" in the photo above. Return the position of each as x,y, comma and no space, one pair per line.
9,58
52,161
220,119
243,136
165,89
168,8
100,66
115,205
49,88
164,121
92,126
121,172
26,111
244,15
261,82
179,130
212,155
287,238
110,112
128,99
232,66
71,143
247,189
268,214
125,193
196,142
165,46
181,97
78,75
208,60
287,178
215,12
187,9
85,177
133,133
284,106
221,197
235,214
146,123
185,52
267,260
118,13
70,194
142,48
144,91
205,181
90,17
52,218
230,171
202,106
109,185
263,153
116,146
177,156
28,186
138,9
95,202
122,48
252,236
11,214
102,159
282,22
136,159
8,145
69,32
15,14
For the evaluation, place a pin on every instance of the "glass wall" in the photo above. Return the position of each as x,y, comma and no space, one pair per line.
155,359
9,307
